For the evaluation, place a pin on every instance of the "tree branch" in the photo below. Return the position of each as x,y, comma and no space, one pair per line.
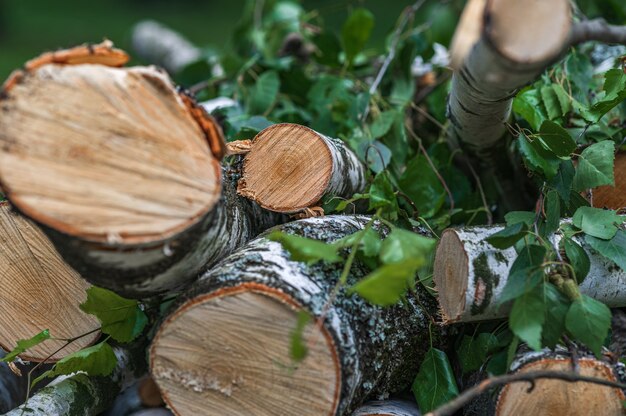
468,395
598,30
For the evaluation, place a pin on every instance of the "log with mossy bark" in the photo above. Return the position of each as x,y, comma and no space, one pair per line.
494,54
551,396
82,395
389,407
123,175
39,291
225,349
290,168
470,275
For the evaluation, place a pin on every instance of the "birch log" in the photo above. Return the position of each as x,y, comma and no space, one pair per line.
13,386
122,174
39,291
388,408
470,275
291,167
225,348
499,47
83,395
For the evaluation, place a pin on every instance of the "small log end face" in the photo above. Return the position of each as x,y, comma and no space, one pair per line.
451,273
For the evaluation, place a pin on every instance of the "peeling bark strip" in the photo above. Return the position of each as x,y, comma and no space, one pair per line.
518,40
552,397
291,167
470,275
83,395
143,270
388,408
225,348
38,291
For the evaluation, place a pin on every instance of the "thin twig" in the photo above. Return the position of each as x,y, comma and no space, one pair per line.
530,377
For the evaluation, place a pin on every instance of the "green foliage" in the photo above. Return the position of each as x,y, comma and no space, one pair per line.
121,318
305,249
435,383
597,222
613,249
25,344
298,349
473,351
527,317
508,236
97,360
595,166
356,31
589,320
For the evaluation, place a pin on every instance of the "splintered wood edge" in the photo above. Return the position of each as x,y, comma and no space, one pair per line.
164,86
44,290
450,275
514,394
262,160
534,32
243,288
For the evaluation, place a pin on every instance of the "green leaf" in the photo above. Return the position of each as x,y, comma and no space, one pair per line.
597,222
97,360
564,99
383,196
508,236
553,211
527,318
327,49
614,249
383,123
588,321
306,249
121,318
556,306
537,158
25,344
264,92
562,182
615,93
527,104
387,284
473,351
435,384
526,272
369,244
578,258
420,182
595,166
525,217
557,139
297,347
401,246
551,102
356,31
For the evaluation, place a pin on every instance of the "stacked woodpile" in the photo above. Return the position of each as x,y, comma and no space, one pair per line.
127,183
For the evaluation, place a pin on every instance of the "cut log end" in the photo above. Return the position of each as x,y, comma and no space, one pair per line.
528,32
287,169
451,273
39,291
119,159
552,397
245,368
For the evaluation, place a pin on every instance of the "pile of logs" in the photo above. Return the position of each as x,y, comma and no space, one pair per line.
115,178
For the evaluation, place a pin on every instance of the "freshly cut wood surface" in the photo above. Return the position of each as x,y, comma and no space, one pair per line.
39,291
558,397
289,168
613,197
228,354
118,159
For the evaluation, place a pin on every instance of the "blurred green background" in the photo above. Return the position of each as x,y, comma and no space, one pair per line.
28,27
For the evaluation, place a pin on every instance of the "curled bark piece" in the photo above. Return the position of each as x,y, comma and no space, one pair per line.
121,174
39,291
80,394
157,44
226,347
470,275
552,397
388,408
291,167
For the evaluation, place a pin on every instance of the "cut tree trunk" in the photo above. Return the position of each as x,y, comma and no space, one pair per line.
80,394
552,397
121,174
613,197
39,291
388,408
470,275
290,168
226,347
159,45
